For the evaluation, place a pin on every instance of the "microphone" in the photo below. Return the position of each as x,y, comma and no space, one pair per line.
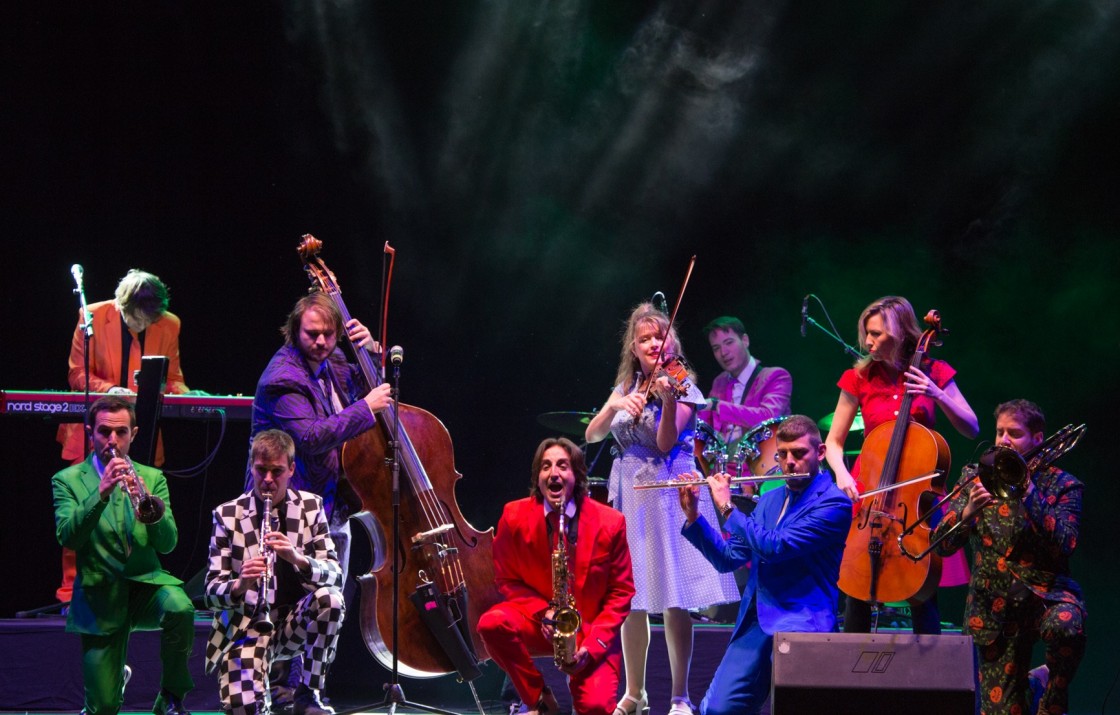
804,313
660,303
396,355
77,271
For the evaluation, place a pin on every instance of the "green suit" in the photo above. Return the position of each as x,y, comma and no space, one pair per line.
120,585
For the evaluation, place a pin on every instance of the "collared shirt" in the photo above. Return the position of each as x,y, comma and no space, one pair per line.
570,513
740,381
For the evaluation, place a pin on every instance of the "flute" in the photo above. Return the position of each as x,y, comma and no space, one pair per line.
674,483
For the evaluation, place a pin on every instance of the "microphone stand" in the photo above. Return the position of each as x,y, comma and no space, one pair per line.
394,694
87,333
848,349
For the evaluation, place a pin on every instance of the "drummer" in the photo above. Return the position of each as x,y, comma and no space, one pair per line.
745,393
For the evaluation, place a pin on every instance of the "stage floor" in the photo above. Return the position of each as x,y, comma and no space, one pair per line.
42,673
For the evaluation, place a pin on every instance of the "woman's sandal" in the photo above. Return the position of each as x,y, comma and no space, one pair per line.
680,707
632,706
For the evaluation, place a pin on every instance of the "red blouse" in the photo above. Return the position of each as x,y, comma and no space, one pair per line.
879,399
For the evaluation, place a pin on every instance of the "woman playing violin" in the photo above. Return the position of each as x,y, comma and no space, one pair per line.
875,386
655,432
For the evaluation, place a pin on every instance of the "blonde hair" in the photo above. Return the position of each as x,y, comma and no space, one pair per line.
628,365
142,292
899,322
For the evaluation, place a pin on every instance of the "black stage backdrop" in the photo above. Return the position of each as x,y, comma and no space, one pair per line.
540,167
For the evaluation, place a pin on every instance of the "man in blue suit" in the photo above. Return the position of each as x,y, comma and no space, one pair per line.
794,541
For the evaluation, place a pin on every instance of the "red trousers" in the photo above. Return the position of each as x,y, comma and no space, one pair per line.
513,638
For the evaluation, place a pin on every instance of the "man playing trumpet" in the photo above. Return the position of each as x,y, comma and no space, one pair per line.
794,540
1021,589
120,585
303,608
602,584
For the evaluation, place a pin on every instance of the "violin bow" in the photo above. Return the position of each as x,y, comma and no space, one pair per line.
672,319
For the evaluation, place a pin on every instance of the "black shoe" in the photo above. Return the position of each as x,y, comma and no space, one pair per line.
168,704
307,702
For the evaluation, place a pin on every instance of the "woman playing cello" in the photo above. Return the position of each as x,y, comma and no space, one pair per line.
875,386
656,434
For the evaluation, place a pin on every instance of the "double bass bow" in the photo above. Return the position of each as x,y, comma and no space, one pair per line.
896,462
445,578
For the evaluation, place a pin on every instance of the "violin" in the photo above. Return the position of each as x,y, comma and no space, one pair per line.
679,374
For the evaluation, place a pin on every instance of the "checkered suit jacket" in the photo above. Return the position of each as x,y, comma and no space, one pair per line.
233,539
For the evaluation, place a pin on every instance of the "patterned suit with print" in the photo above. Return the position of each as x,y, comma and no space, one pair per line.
1021,590
309,627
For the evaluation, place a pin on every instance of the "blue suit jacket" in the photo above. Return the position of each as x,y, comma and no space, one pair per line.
794,565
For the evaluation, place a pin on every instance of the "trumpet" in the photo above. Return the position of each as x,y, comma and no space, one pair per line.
674,483
262,623
148,507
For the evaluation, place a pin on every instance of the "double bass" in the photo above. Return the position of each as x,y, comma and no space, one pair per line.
896,461
446,572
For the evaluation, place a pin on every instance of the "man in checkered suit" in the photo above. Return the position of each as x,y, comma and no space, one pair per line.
304,597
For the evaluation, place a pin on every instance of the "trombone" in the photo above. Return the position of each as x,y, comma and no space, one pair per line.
1004,473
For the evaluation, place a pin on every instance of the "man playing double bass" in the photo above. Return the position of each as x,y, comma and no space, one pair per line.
1021,589
311,392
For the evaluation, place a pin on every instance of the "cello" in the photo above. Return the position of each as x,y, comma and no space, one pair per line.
444,564
896,460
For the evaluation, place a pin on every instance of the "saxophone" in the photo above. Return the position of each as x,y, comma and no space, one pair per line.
565,618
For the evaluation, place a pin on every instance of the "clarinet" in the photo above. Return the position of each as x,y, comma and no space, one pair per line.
262,623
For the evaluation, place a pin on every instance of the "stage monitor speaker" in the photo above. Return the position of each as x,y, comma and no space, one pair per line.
842,673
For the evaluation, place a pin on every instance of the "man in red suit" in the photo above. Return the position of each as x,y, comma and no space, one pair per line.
602,584
136,321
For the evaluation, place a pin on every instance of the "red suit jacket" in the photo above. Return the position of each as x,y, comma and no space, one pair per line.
604,581
161,338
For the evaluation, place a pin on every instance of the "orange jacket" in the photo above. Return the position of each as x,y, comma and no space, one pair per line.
161,338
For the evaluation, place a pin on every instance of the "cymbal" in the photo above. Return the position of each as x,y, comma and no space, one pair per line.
569,423
825,423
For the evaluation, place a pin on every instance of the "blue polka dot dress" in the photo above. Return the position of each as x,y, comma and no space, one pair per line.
668,571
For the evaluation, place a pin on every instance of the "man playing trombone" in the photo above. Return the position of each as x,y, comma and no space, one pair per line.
1021,589
120,585
302,607
794,540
